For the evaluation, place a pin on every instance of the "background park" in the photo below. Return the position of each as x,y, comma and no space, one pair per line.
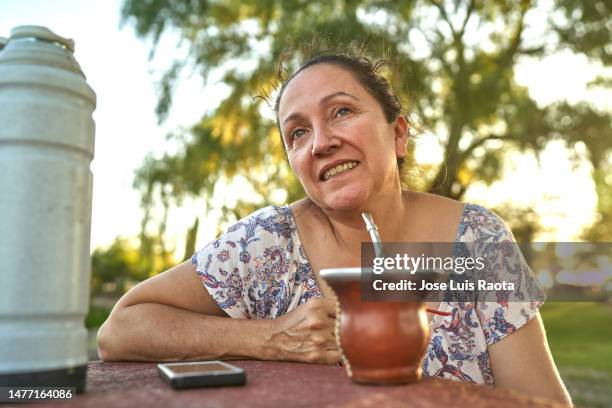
510,100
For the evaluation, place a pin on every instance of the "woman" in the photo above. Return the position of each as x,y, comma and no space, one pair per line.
345,139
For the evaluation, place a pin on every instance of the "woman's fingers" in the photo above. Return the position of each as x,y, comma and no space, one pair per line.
307,333
331,356
330,307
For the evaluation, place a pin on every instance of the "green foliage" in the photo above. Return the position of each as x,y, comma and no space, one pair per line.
116,268
96,316
582,30
601,230
454,64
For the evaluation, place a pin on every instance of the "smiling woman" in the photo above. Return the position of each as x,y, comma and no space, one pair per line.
341,123
345,138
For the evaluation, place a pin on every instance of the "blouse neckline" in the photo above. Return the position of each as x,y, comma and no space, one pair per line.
302,253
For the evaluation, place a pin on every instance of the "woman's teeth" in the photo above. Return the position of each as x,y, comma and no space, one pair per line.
341,168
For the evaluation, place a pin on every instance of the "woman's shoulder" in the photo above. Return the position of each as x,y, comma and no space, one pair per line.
479,223
267,226
273,219
433,218
433,203
475,222
260,232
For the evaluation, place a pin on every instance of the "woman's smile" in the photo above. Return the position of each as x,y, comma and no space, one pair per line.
338,170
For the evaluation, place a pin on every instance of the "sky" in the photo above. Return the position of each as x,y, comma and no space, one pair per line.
117,67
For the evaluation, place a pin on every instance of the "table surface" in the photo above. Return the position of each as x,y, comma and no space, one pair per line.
280,384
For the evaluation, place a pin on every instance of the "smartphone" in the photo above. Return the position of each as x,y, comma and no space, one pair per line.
201,374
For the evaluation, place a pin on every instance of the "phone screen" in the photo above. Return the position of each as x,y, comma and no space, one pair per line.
197,368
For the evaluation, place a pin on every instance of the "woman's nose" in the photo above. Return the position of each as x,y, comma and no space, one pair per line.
324,140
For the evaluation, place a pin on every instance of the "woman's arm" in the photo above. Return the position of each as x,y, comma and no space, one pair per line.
522,362
172,317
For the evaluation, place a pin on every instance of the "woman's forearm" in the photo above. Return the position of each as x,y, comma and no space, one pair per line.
157,332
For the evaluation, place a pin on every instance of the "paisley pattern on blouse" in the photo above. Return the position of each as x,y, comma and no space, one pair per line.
258,270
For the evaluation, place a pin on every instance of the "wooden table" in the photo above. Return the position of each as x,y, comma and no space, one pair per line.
276,384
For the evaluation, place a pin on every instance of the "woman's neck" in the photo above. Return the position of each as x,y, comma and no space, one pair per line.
388,213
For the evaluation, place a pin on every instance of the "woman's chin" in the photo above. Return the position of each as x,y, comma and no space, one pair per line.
345,202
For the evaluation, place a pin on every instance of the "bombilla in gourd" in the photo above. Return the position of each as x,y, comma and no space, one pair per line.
373,230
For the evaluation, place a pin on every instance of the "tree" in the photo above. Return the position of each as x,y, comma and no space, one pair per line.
456,61
116,268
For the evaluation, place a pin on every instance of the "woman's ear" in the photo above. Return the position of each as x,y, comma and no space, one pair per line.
400,128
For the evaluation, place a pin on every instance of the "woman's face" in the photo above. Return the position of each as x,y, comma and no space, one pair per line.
338,141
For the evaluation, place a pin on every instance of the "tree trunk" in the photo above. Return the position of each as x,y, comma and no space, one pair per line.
190,242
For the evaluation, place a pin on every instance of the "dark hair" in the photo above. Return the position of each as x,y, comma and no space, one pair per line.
368,75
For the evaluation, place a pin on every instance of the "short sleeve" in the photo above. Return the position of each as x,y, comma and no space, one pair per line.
501,314
254,269
224,283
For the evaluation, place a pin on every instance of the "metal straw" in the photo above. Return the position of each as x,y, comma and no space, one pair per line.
373,230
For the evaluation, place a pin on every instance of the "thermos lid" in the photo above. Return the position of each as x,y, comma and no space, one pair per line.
41,33
31,45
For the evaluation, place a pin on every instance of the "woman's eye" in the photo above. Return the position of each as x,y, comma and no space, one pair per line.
297,133
343,111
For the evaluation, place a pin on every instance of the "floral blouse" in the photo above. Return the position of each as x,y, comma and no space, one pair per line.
258,270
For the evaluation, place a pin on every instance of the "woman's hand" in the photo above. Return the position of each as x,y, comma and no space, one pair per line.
306,334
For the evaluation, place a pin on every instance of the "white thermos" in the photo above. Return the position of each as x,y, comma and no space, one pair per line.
46,148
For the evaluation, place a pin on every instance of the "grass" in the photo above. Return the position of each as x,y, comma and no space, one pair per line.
580,339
